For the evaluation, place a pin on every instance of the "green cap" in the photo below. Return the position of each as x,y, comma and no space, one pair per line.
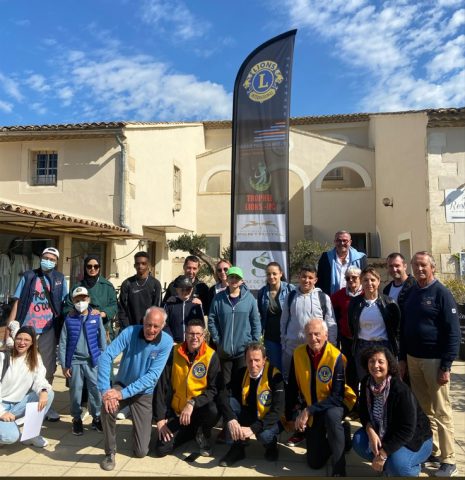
235,271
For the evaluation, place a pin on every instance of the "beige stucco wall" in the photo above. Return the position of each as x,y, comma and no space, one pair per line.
152,154
86,177
331,210
401,174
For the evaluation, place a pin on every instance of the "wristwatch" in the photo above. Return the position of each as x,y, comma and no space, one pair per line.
191,402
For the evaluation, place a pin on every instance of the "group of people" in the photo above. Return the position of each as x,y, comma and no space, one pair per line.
300,358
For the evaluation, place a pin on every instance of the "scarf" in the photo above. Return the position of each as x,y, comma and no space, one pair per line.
88,281
377,404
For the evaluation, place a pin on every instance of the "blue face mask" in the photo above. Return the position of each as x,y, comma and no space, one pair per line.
46,265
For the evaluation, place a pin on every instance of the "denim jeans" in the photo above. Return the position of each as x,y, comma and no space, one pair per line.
402,463
9,431
265,437
273,352
79,372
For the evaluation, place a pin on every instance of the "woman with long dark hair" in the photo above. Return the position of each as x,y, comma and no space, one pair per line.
22,381
271,300
395,435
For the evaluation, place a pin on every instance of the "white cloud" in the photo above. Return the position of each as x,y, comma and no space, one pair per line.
6,107
409,53
37,82
10,87
66,95
39,108
139,87
174,17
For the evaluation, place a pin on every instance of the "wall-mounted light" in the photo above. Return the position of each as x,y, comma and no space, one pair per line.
388,202
176,207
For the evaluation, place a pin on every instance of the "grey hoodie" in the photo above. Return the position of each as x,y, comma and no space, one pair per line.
304,306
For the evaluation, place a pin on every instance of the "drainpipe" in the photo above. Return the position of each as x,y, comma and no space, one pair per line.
122,183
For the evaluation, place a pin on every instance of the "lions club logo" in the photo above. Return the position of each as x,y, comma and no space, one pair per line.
199,370
262,81
265,398
325,374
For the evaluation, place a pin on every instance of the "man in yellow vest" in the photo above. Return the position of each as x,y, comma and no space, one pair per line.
185,399
253,406
317,375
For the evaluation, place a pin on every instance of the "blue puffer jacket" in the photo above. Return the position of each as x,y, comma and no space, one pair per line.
74,324
263,299
233,327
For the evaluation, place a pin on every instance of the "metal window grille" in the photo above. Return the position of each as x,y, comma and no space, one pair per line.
44,168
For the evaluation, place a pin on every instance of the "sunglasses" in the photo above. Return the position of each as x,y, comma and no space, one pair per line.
222,270
92,267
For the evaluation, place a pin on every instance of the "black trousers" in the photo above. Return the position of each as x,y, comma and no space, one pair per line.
325,439
230,365
205,417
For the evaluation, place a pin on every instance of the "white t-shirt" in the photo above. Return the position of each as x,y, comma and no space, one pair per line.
371,323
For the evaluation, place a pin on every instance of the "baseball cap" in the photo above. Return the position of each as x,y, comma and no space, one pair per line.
80,291
51,250
235,271
183,281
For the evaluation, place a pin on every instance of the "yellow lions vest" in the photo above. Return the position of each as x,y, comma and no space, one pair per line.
188,381
263,390
324,375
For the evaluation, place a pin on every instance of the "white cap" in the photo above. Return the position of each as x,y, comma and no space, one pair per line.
80,291
52,250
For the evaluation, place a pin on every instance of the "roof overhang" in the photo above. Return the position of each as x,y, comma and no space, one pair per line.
162,229
38,220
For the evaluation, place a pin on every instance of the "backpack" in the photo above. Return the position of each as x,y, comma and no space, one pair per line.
290,299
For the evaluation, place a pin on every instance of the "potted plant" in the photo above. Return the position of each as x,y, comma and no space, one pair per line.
457,288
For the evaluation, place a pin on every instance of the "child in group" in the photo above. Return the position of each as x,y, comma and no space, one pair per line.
82,340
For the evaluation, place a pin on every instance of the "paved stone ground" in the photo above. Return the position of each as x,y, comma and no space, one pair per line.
68,455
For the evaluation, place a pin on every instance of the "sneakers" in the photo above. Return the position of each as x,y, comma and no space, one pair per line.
347,438
205,448
96,424
52,415
235,453
432,462
38,442
297,437
272,452
108,463
447,470
77,428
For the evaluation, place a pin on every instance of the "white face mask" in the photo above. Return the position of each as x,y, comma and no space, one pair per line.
81,306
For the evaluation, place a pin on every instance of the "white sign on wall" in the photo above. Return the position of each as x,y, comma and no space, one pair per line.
454,202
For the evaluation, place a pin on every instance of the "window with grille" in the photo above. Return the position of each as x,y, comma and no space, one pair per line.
335,174
44,168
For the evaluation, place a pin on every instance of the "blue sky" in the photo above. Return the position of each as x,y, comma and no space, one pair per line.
72,61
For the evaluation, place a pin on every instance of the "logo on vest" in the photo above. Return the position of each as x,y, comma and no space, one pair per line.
265,398
199,370
325,374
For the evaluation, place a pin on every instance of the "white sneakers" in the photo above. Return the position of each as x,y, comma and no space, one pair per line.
38,442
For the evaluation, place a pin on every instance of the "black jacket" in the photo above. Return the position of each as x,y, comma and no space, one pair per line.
200,291
404,291
407,425
275,412
179,313
389,311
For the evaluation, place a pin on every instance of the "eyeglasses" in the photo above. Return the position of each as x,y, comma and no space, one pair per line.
222,270
92,267
192,335
352,278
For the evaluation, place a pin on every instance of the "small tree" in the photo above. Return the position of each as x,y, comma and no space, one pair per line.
195,245
305,252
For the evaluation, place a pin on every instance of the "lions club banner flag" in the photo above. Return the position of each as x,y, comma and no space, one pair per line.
260,159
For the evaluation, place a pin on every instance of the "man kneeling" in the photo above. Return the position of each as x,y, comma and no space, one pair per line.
317,374
185,398
253,406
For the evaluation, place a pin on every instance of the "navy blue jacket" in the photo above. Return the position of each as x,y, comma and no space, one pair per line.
56,280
